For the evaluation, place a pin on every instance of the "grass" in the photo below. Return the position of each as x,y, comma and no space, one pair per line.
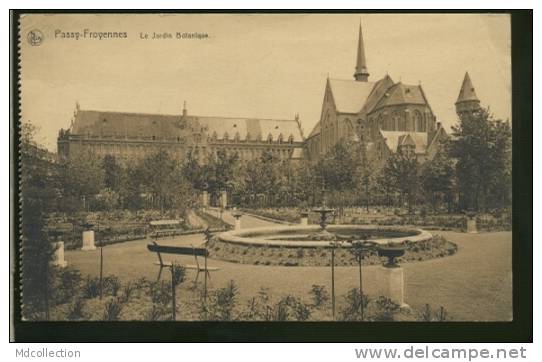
474,284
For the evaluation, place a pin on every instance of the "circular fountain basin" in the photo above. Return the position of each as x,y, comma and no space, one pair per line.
299,236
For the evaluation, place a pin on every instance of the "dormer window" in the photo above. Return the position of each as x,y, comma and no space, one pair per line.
291,139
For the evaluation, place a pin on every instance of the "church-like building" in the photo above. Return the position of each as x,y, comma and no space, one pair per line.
388,115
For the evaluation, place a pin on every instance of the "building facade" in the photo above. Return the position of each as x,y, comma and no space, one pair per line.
387,114
132,136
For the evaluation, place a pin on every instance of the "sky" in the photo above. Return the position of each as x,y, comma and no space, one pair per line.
266,66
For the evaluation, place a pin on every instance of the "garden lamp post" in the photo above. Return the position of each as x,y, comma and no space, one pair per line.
333,245
360,249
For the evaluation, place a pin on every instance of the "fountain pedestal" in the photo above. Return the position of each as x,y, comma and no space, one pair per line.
58,258
205,199
391,275
392,283
237,216
471,226
88,240
304,221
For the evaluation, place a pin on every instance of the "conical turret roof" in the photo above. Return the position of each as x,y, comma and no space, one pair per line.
467,93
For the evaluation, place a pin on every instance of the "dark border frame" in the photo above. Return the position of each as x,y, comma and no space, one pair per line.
519,330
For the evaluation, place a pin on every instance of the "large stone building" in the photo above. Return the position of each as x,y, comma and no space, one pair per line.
388,115
130,136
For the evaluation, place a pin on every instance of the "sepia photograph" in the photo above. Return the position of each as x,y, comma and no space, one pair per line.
302,167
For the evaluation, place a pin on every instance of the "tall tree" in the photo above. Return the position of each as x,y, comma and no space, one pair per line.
113,173
161,177
482,147
402,171
220,169
82,177
438,178
37,194
336,168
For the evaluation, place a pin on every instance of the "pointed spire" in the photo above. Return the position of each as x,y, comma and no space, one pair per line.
467,93
185,112
361,74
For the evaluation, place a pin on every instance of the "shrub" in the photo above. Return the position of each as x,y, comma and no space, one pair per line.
221,303
426,314
69,283
112,310
353,302
386,309
319,295
91,289
76,310
291,308
160,292
157,313
111,285
127,292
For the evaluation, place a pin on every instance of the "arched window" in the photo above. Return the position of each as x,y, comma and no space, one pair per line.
226,136
237,137
419,124
400,122
280,138
269,138
379,122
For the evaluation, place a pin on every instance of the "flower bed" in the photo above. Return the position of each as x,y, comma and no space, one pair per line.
436,247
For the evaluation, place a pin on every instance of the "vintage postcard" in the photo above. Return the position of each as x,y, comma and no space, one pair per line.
265,167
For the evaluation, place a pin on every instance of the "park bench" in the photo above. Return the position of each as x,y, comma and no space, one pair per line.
163,228
182,250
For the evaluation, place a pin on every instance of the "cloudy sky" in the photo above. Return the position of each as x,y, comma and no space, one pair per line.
268,66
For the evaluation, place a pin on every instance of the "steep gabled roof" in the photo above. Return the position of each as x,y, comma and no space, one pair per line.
377,93
349,95
406,140
401,93
170,126
394,139
315,131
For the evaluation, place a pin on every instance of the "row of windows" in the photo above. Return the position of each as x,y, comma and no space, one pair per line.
196,138
201,153
269,139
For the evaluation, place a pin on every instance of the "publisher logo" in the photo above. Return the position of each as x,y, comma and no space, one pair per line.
34,37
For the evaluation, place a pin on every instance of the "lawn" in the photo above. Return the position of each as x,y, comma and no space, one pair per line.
474,284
